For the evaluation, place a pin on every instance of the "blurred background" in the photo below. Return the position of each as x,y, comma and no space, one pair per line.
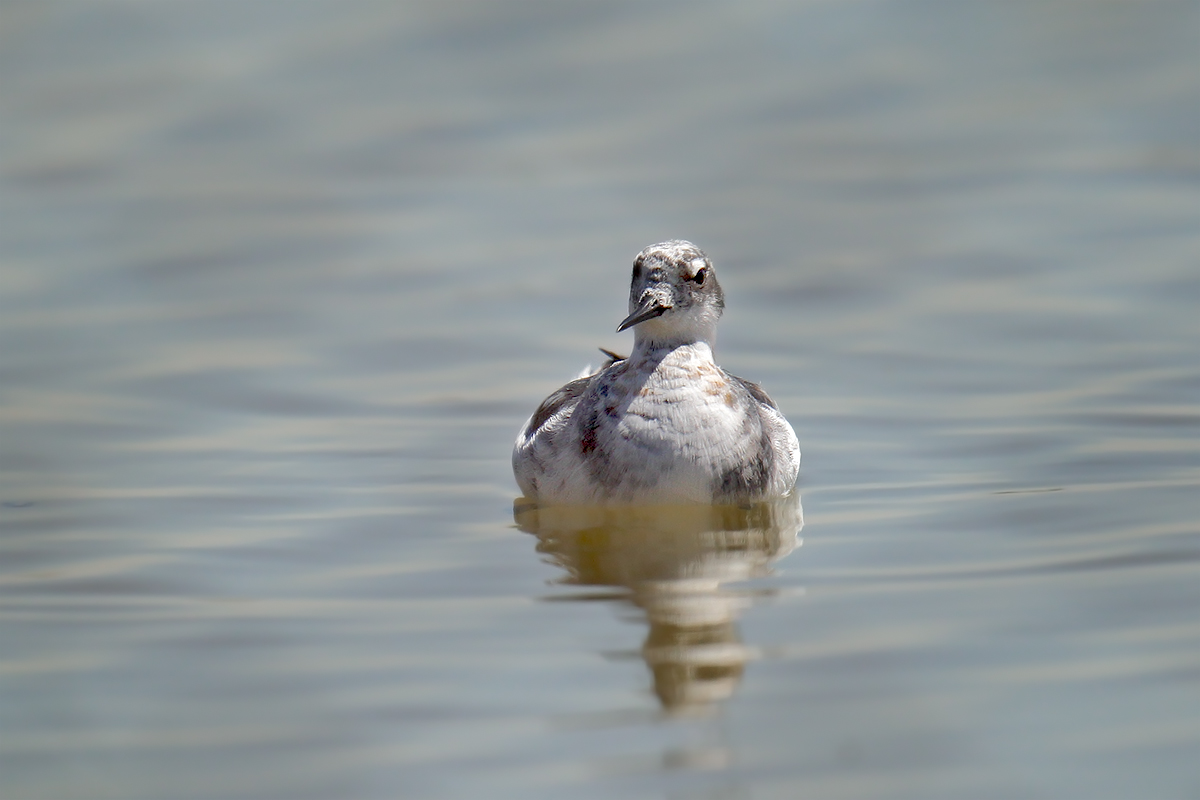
280,281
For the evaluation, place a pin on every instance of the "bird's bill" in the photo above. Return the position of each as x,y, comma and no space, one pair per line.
650,308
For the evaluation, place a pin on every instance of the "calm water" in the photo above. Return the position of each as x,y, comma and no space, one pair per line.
281,281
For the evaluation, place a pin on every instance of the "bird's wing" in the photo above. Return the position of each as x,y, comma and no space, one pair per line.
555,402
755,391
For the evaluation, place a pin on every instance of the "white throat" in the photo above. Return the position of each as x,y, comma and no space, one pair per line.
657,334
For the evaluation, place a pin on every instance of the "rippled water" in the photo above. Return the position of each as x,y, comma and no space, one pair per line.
281,282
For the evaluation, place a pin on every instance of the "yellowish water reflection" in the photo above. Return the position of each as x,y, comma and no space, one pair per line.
674,562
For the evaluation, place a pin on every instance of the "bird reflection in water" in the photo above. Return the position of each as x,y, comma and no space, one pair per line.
672,562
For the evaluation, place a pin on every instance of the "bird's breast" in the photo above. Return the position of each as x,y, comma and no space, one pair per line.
689,408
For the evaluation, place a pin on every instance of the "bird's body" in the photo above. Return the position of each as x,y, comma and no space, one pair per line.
666,425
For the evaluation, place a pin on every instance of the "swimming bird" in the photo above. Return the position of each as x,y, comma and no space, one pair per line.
666,424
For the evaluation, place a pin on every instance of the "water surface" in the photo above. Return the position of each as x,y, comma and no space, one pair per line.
282,281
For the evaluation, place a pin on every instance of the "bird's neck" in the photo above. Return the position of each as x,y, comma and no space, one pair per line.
651,348
675,331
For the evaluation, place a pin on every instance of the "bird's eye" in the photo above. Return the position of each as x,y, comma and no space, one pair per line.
698,278
637,269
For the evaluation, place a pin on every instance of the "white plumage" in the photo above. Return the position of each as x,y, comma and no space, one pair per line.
666,424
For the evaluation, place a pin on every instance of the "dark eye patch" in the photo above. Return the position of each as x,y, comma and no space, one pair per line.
637,269
698,278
